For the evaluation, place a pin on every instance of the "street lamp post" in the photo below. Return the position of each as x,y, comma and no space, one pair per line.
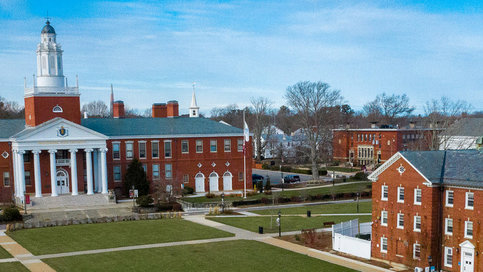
279,223
223,203
281,175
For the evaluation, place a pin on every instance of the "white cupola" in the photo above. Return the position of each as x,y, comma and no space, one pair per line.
49,60
194,109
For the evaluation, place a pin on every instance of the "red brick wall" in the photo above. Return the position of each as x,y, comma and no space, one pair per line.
6,192
38,109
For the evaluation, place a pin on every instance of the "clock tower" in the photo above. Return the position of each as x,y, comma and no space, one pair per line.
50,96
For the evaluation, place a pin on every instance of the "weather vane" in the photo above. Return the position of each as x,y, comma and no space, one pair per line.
47,17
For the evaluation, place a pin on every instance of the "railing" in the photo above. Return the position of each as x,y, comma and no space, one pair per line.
62,162
51,90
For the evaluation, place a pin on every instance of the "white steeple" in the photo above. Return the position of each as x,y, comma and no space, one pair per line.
194,109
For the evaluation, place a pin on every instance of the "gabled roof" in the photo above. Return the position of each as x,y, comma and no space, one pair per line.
9,127
158,126
472,127
447,167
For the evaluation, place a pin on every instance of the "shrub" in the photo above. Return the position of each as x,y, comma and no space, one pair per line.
323,172
267,192
268,186
164,207
297,237
11,214
188,190
210,195
144,201
265,166
135,176
265,200
360,176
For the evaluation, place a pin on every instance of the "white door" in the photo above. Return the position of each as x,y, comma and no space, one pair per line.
200,183
62,182
227,178
467,260
213,182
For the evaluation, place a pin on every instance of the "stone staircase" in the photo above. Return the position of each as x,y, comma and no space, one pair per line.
69,201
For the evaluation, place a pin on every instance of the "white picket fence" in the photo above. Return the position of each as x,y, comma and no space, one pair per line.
344,238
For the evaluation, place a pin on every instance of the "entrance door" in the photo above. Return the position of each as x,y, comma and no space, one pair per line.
62,182
213,182
227,178
467,262
199,183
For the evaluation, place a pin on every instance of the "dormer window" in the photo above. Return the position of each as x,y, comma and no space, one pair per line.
57,109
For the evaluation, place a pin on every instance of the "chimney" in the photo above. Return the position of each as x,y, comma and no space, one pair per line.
173,108
118,109
412,124
347,125
159,110
373,124
85,115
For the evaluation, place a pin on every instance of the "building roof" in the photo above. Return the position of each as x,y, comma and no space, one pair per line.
9,127
48,28
472,127
158,126
450,167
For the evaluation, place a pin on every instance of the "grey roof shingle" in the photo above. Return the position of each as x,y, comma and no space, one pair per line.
158,126
450,167
466,127
9,127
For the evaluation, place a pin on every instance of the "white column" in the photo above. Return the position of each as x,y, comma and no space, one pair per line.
15,172
73,171
53,173
37,175
104,170
90,190
95,167
21,173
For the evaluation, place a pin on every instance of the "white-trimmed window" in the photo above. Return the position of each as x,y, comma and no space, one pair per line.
470,200
400,194
213,147
155,171
6,179
449,198
117,173
448,226
384,244
384,218
384,192
416,251
142,150
167,149
400,220
116,151
154,149
129,150
239,145
57,109
186,178
168,170
199,146
448,256
227,145
417,196
417,223
468,229
185,149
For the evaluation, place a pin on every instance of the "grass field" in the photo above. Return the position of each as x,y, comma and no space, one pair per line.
289,223
109,235
346,188
364,207
4,254
241,255
12,267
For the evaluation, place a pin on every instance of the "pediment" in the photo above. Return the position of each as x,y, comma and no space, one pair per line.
467,244
58,130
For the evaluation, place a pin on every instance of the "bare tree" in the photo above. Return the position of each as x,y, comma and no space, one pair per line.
96,109
230,114
10,109
262,122
314,104
441,114
388,107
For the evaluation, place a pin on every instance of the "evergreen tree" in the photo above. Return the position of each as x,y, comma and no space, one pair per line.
135,176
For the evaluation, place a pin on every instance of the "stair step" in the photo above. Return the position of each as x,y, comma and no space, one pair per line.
67,201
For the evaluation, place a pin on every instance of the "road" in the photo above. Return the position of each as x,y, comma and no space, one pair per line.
275,176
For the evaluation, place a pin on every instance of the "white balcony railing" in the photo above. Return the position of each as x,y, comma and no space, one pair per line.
62,162
52,90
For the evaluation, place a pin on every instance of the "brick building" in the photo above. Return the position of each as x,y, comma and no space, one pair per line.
376,145
54,151
425,210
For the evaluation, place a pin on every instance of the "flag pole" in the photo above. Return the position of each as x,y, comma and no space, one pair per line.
244,159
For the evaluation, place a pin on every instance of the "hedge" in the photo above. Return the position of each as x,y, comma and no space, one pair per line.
322,172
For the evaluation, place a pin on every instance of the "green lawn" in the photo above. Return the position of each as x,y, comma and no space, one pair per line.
346,188
342,169
4,254
14,267
289,223
241,255
364,207
109,235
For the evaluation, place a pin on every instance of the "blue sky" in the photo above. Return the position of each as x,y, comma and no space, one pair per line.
152,51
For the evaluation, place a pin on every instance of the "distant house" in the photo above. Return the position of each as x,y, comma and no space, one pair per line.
463,134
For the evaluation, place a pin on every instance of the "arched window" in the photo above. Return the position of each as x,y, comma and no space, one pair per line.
200,175
57,109
213,175
227,174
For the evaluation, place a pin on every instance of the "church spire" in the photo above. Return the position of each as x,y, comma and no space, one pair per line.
194,109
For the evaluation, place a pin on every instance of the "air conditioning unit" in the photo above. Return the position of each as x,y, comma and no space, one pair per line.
418,269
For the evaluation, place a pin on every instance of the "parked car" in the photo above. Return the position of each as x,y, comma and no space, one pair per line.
257,178
291,179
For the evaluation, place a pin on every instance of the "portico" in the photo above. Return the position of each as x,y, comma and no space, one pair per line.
62,152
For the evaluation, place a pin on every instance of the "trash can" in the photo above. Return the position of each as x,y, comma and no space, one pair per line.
260,230
309,213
